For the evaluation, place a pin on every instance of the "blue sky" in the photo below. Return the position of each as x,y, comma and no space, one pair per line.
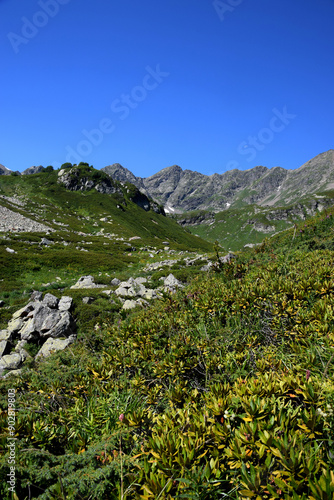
208,85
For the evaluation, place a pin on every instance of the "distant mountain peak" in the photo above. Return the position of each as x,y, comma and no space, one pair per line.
185,190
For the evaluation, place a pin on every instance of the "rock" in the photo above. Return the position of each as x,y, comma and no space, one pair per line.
140,280
171,283
36,296
50,301
10,250
207,267
6,335
15,325
88,300
13,372
4,346
129,304
10,361
150,294
86,282
2,303
227,258
158,265
61,324
65,303
136,290
50,321
115,282
20,345
46,242
108,292
24,311
28,332
121,291
53,345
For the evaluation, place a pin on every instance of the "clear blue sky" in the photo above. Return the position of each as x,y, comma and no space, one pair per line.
206,85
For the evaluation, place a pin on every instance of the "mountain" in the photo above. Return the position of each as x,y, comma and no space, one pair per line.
185,190
4,170
33,170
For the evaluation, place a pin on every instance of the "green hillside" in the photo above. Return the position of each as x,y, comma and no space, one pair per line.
236,227
222,390
90,235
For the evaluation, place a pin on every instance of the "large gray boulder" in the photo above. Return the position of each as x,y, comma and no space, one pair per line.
53,345
10,361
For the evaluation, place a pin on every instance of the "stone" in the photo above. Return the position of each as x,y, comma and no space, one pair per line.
108,292
227,258
86,282
65,303
53,345
4,346
6,335
10,250
45,241
24,311
39,315
36,296
28,332
50,321
2,303
121,291
140,280
129,304
136,290
15,325
20,345
10,361
88,300
12,372
171,283
63,328
50,301
150,294
115,282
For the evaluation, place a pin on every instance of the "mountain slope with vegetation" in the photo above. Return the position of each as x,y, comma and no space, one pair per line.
221,390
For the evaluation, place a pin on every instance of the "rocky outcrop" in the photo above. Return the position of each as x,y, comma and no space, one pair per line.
78,179
33,170
45,322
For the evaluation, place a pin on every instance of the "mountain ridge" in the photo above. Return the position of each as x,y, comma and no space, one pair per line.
185,190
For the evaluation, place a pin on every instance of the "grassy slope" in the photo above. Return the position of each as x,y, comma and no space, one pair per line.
224,390
35,266
231,228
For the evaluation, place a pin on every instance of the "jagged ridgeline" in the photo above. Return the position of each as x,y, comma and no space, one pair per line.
220,387
239,208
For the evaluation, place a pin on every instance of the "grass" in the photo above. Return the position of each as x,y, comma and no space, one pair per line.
222,390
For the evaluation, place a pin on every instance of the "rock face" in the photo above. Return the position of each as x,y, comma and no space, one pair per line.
184,190
33,170
45,322
4,170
